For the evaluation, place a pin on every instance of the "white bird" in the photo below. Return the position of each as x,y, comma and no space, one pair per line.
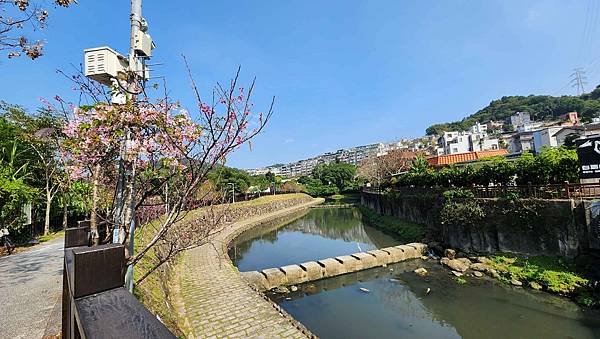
428,290
364,290
358,245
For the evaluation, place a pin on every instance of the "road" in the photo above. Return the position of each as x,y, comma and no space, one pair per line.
30,287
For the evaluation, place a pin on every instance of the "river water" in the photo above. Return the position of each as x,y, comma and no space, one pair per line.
398,304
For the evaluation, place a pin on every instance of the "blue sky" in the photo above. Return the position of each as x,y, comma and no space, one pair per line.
344,73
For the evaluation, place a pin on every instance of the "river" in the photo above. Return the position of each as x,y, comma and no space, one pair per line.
392,301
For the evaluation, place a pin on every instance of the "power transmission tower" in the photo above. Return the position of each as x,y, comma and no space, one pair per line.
578,80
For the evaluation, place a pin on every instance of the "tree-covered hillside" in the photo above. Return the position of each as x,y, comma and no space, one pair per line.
541,107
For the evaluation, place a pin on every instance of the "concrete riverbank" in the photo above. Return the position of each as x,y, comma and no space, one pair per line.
218,302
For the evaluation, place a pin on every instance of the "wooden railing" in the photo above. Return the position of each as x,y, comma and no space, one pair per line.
553,191
95,303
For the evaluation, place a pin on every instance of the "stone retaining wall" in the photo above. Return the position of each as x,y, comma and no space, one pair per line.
331,267
217,301
555,227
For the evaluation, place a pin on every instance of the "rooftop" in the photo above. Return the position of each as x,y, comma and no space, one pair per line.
450,159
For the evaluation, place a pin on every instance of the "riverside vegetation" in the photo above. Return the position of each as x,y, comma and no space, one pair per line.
159,291
549,273
406,231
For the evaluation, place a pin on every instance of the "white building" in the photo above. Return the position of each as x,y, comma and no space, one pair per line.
479,129
545,137
520,119
462,142
453,143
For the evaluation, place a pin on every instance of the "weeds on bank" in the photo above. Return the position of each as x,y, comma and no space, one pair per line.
553,273
406,231
460,281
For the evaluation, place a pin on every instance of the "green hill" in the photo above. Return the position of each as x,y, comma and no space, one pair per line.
541,107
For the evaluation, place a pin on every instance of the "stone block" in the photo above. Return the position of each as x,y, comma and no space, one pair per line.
421,248
396,253
332,267
256,279
275,277
409,252
294,274
314,271
350,263
365,260
381,257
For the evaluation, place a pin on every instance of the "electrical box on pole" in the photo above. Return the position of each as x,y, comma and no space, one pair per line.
143,44
104,64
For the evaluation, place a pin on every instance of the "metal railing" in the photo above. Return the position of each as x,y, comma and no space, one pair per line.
94,302
551,191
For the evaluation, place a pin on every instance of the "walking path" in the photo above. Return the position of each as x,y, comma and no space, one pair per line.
30,287
219,303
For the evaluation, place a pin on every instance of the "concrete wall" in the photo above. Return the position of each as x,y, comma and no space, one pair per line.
557,227
331,267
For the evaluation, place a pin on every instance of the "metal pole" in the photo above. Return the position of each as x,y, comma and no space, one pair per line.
136,25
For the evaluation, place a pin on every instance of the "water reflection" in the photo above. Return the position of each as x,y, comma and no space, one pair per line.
317,234
398,306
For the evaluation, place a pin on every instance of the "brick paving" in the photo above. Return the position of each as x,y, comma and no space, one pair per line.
220,304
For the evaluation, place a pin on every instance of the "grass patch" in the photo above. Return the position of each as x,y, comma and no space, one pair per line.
406,231
155,291
460,280
555,274
51,236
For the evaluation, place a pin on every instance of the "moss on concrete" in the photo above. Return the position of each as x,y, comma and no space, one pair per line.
406,231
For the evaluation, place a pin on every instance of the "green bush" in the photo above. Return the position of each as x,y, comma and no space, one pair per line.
459,193
550,166
465,213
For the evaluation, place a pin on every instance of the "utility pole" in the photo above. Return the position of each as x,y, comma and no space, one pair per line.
108,67
579,80
134,74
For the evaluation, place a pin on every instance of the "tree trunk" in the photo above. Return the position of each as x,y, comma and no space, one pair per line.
47,218
94,210
65,220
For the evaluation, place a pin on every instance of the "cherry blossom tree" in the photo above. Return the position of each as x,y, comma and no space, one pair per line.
378,168
20,18
155,157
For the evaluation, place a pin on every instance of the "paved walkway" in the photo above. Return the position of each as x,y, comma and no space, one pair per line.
219,303
30,287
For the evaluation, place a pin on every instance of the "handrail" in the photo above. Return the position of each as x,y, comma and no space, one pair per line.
550,191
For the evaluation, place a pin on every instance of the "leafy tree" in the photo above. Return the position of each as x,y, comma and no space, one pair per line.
550,166
541,107
41,134
270,176
14,190
337,173
223,176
